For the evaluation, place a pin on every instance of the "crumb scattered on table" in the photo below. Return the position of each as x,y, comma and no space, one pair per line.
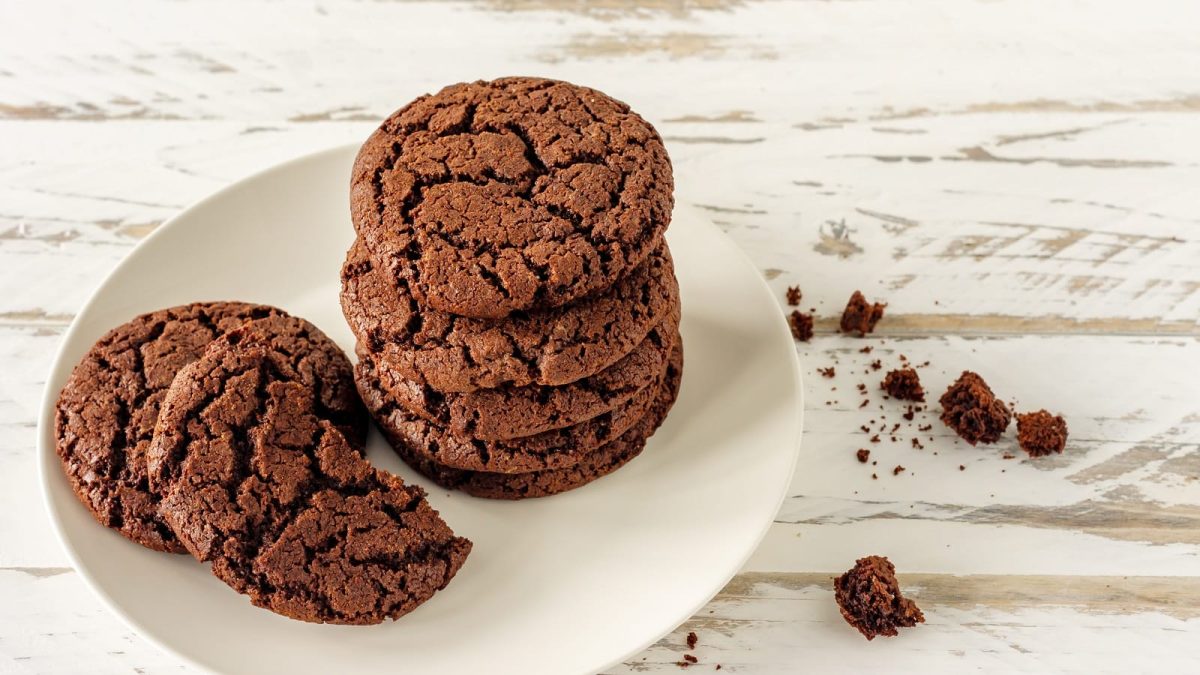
971,409
870,600
802,325
793,295
904,384
1041,433
863,455
860,316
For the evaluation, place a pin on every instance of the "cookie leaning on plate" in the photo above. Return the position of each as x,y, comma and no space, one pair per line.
105,414
591,466
521,193
255,477
546,347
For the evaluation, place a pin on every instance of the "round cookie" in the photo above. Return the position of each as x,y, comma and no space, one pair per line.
547,347
516,412
600,462
554,449
255,481
316,361
488,198
105,415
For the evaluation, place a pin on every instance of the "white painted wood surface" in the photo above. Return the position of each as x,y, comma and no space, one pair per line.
1018,179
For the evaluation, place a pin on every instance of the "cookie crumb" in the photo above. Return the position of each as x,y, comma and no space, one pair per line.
827,372
875,438
874,476
971,409
860,316
870,600
962,467
692,639
896,471
802,325
916,443
1041,433
863,455
690,659
865,403
866,350
904,384
793,295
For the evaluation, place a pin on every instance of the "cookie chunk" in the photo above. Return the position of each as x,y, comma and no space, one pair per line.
1041,433
904,384
488,198
515,412
105,415
870,599
547,347
255,480
554,449
596,464
971,409
861,316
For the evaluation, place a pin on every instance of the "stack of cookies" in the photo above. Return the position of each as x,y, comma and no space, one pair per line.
513,297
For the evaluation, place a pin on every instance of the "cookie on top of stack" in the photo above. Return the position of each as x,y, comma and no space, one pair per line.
513,297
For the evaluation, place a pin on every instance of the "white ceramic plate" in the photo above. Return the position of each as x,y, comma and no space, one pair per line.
567,584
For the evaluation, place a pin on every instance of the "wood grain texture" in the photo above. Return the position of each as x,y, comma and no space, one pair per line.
1021,193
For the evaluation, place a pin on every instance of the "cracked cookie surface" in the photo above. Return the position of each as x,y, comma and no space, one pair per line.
554,449
315,361
591,466
520,193
253,480
105,415
515,412
548,347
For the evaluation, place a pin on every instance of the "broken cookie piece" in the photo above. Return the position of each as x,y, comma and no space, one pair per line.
971,409
870,599
904,384
1041,433
861,316
802,325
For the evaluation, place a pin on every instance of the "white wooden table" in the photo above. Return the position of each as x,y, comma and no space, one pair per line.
1019,180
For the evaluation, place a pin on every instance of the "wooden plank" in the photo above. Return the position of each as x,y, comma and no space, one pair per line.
760,623
1131,273
779,623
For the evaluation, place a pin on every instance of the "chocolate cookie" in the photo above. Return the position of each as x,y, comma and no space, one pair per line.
554,449
520,193
596,464
549,347
255,481
515,412
105,414
316,362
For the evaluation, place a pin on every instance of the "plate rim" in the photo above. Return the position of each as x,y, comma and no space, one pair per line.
48,463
